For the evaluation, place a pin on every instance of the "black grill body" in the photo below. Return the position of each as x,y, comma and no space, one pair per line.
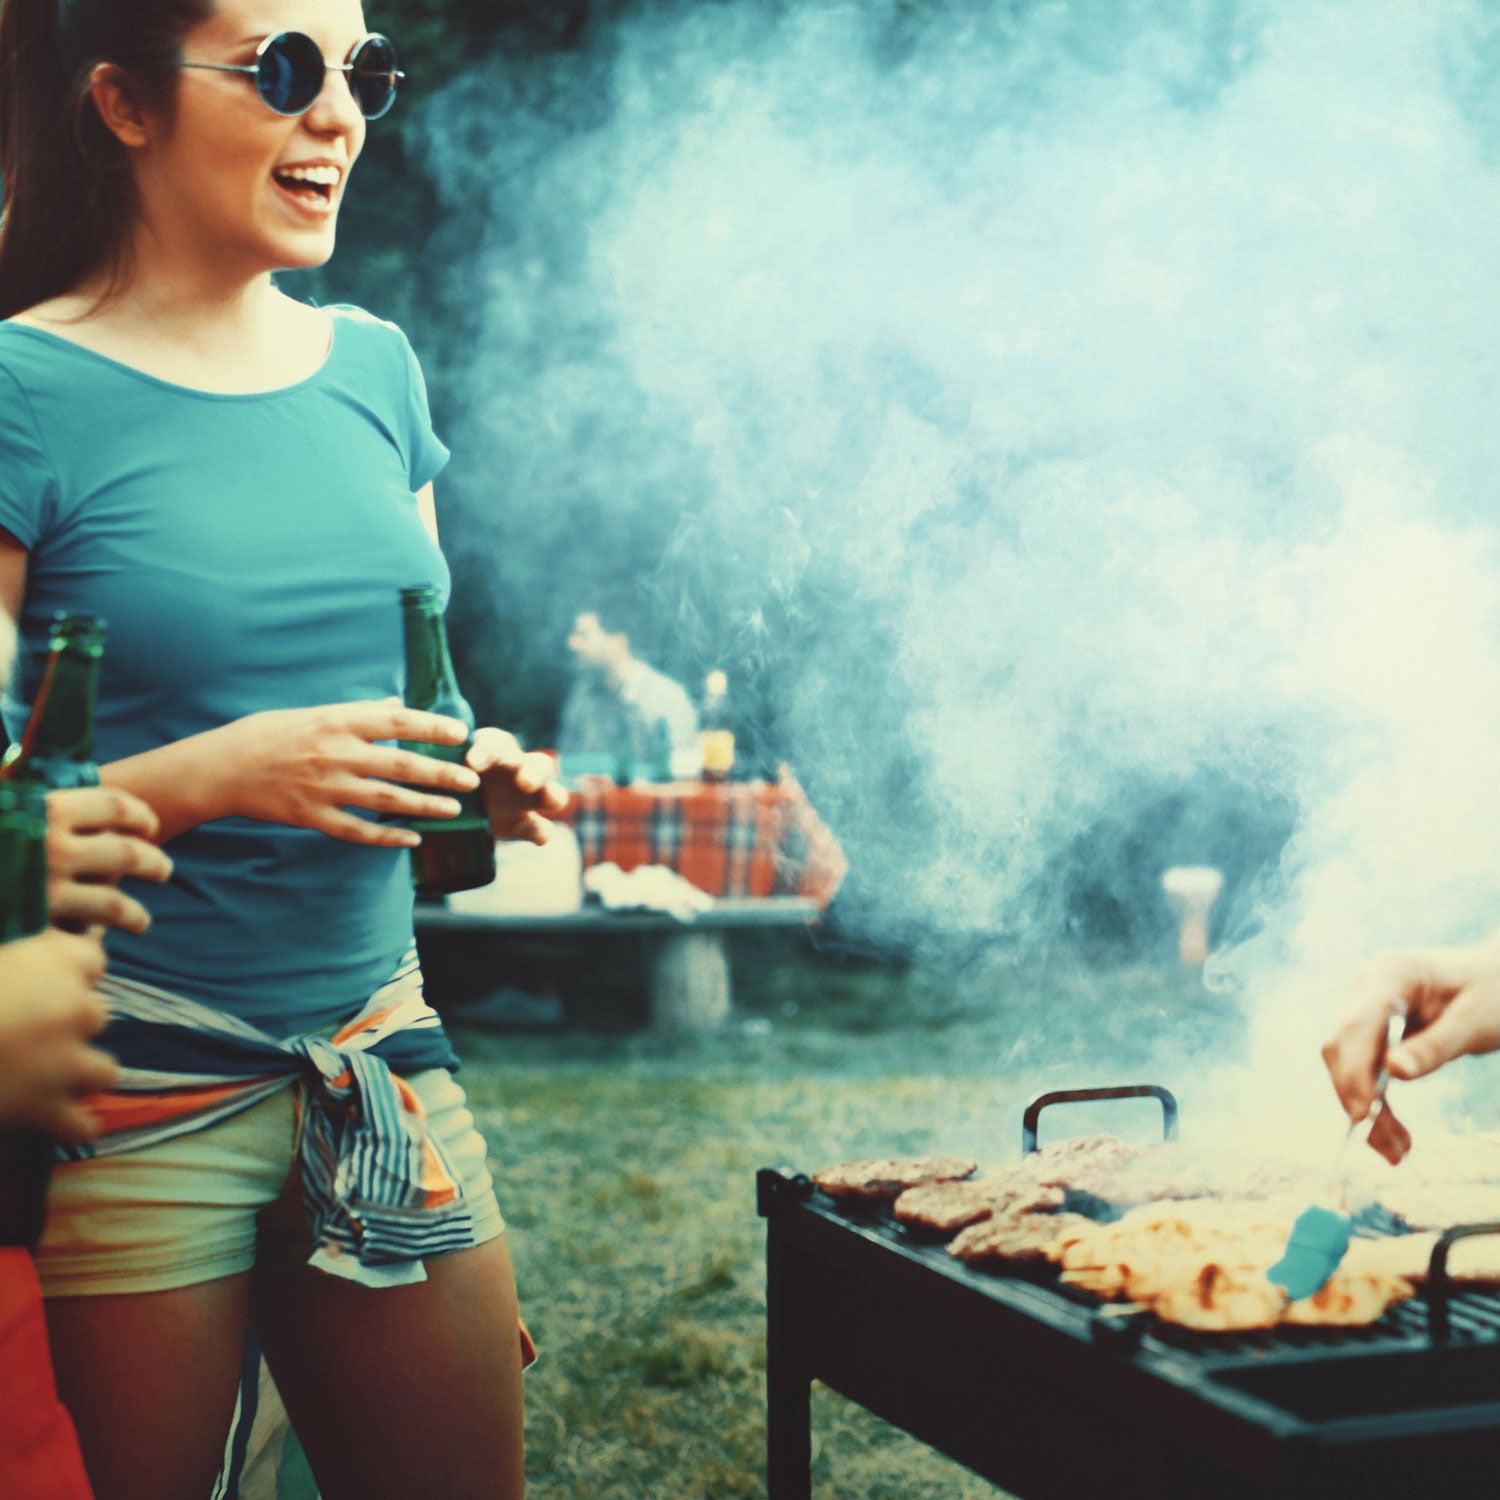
1054,1395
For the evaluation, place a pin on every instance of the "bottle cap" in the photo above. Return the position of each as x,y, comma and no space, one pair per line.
87,630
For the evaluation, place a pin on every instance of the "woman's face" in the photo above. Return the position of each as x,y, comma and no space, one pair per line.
229,179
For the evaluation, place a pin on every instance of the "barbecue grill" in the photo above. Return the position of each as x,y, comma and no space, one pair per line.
1054,1394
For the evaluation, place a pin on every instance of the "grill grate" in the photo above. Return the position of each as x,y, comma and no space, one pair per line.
1001,1372
1473,1314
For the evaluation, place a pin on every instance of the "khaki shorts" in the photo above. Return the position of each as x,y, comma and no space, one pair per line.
217,1201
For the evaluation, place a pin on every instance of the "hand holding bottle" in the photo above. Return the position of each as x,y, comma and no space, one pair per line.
304,767
49,1009
521,790
97,836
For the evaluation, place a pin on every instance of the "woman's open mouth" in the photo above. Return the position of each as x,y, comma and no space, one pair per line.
310,188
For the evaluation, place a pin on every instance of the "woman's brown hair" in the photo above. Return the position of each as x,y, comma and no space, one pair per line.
66,194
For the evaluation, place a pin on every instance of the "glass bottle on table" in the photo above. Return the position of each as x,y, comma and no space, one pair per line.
456,854
661,752
716,729
622,763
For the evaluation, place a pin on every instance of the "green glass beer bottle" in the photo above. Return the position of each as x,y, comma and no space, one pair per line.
25,1155
661,751
23,859
716,729
56,749
456,854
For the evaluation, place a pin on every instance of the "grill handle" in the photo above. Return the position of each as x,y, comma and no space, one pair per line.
778,1187
1438,1283
1082,1096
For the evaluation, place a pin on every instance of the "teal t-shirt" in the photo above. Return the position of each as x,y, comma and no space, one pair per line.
247,553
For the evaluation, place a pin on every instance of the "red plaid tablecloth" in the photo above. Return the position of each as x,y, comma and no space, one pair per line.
742,838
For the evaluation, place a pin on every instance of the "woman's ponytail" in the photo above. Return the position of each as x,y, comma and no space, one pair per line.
68,195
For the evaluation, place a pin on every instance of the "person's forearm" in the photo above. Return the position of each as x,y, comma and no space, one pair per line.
181,782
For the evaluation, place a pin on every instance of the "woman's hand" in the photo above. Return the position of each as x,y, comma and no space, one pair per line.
521,790
96,836
305,766
1451,997
49,1008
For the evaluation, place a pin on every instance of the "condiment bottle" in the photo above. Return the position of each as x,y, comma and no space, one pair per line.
715,729
661,751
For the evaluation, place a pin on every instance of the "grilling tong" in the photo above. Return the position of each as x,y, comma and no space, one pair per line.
1320,1236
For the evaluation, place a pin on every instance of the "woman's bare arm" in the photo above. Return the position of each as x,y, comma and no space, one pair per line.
304,767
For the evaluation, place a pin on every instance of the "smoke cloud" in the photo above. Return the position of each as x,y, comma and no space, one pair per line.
1073,425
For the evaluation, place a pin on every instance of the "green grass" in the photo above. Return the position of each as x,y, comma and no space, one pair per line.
626,1168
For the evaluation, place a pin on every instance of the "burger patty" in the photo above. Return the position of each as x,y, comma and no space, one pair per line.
946,1207
883,1180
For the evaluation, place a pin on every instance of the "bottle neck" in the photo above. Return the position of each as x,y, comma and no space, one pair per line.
431,683
61,726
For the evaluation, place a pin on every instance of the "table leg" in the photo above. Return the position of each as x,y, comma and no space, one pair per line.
688,979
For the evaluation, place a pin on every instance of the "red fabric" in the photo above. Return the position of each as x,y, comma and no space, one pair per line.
739,838
39,1457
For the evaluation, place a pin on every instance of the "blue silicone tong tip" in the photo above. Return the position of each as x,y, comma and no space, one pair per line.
1320,1235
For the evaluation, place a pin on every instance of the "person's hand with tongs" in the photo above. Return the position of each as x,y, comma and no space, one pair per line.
1451,999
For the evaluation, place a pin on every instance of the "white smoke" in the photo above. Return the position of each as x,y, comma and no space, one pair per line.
1055,400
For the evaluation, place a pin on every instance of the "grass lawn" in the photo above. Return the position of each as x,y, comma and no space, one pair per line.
626,1168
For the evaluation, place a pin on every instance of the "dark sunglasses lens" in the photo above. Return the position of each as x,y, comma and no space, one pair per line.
373,76
291,73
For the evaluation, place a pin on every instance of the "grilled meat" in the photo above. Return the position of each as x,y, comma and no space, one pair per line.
1120,1175
1194,1244
1220,1299
1203,1265
946,1207
881,1181
1015,1237
1350,1299
1080,1163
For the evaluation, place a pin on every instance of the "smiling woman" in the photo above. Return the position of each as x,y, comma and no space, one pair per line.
241,484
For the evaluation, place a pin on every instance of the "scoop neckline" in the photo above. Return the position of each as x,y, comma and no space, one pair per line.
188,390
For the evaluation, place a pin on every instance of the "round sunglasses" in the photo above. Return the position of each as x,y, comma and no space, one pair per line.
289,70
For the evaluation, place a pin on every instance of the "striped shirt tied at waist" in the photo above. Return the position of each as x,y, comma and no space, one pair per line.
380,1191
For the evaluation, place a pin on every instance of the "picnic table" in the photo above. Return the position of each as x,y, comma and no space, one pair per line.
686,964
757,847
734,838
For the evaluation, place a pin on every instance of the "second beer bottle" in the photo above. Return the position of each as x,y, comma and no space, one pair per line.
56,749
55,753
456,854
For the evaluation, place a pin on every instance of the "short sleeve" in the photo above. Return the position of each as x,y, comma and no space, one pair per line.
426,453
28,486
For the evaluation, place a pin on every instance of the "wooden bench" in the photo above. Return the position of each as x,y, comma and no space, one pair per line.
688,986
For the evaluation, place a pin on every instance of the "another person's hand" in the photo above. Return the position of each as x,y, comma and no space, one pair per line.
306,766
49,1008
1451,997
521,790
97,836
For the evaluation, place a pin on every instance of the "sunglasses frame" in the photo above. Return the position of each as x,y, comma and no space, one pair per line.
255,70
